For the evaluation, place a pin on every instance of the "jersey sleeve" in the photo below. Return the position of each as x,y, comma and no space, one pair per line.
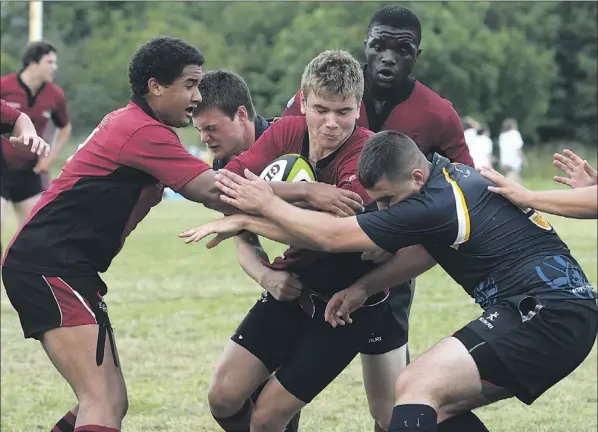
8,117
451,141
293,107
416,220
268,147
158,151
60,114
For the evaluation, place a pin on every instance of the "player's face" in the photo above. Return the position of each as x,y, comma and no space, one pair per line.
225,137
390,54
330,121
174,103
390,192
46,68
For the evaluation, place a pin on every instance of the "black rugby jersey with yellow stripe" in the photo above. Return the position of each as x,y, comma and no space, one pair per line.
489,246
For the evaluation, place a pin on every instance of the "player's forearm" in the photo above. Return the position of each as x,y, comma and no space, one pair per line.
407,263
251,255
268,229
315,228
23,125
579,203
290,191
61,137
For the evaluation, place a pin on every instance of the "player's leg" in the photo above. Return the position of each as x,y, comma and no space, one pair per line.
3,207
293,425
26,194
380,373
261,343
69,317
449,380
321,355
385,355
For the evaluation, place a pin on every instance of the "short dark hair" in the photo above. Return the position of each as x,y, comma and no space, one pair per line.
162,58
388,154
399,18
34,52
226,91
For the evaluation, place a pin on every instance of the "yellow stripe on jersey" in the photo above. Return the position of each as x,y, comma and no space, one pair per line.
462,211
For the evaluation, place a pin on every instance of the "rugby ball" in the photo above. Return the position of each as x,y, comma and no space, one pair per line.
289,168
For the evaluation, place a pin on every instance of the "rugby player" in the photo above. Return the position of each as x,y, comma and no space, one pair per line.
394,100
51,268
228,124
290,337
24,175
539,319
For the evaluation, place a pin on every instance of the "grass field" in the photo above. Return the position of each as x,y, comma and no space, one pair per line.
174,306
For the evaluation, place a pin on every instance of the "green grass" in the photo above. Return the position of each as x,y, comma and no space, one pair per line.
174,306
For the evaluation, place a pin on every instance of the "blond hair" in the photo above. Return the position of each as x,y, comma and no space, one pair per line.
333,74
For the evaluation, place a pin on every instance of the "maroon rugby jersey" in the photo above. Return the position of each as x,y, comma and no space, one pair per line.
48,103
8,117
424,116
103,192
322,272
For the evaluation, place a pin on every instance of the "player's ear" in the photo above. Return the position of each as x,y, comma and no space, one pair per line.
418,176
242,113
303,103
155,87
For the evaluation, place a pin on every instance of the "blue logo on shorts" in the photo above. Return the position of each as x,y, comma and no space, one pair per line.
562,274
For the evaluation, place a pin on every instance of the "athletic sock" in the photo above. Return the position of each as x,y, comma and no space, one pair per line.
413,418
238,422
377,428
463,422
95,428
66,423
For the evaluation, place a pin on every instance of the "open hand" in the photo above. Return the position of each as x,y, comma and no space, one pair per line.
579,172
510,189
249,194
38,145
226,228
342,304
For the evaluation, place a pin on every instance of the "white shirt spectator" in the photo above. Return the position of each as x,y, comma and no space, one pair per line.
481,151
510,144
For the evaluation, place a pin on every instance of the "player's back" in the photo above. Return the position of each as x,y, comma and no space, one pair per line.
500,250
81,221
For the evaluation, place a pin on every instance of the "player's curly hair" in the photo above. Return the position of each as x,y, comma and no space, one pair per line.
162,58
399,18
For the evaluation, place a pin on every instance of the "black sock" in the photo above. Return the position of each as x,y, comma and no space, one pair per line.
238,422
463,422
66,423
413,418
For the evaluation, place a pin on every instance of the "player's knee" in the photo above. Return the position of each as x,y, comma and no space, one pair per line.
265,420
224,398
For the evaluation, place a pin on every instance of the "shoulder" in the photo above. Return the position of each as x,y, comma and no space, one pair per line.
289,125
8,78
133,122
56,90
435,105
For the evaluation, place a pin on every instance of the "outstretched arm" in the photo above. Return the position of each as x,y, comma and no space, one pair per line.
581,203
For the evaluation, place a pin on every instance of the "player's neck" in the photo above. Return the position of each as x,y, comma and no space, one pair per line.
249,135
31,81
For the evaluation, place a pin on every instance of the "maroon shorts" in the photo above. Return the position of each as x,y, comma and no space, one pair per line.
48,302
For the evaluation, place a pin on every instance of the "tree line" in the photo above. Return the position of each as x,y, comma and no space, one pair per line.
534,61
